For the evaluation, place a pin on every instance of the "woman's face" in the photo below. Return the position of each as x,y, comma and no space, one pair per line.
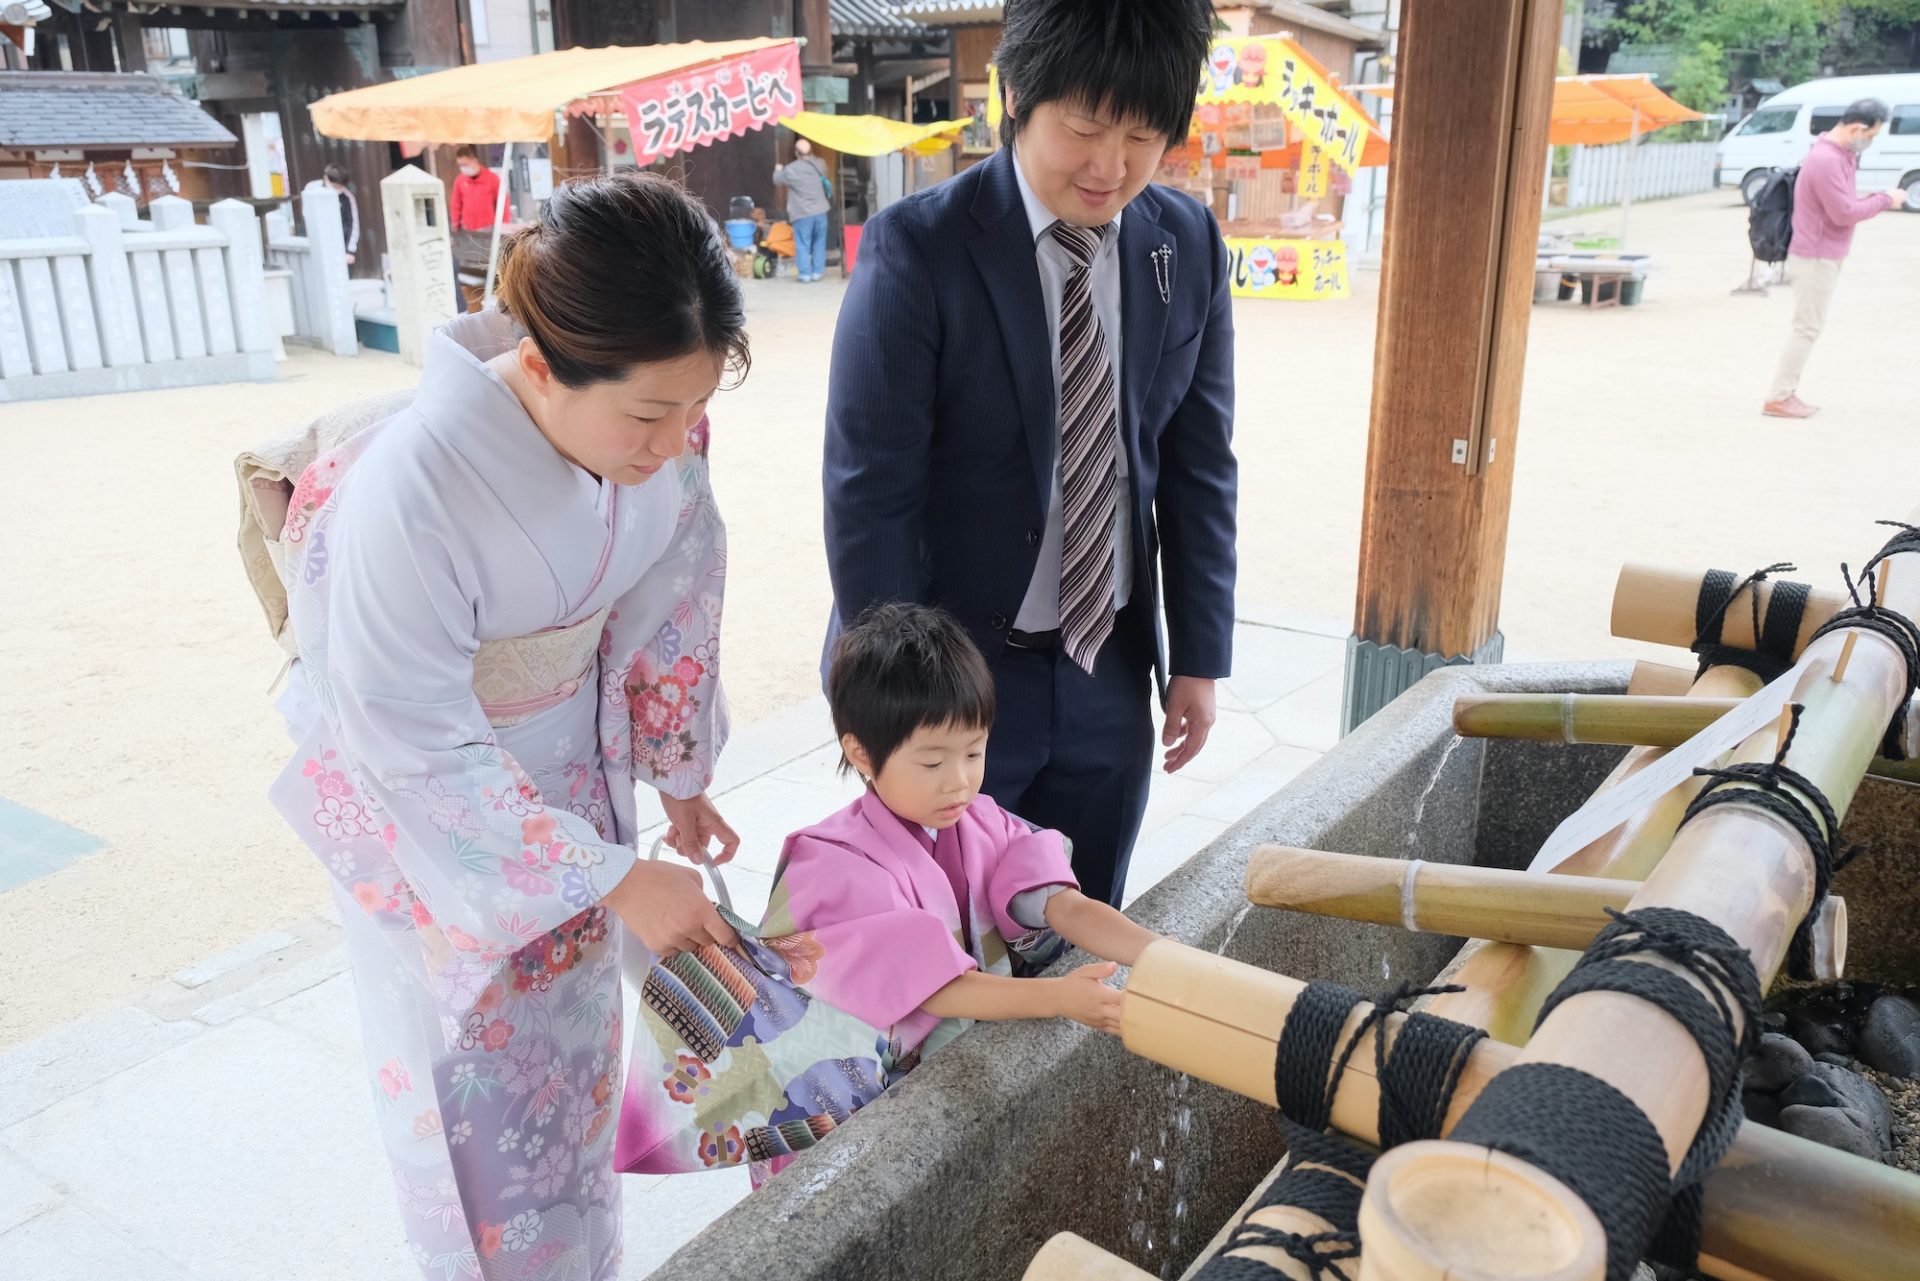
628,429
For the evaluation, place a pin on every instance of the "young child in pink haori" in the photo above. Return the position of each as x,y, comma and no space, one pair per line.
922,900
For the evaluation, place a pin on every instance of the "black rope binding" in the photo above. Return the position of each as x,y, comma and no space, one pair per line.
1764,785
1418,1073
1899,630
1773,651
1592,1137
1325,1176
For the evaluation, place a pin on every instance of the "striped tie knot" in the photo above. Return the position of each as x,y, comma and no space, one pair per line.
1080,242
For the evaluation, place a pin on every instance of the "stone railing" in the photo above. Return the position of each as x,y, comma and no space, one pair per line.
128,305
322,297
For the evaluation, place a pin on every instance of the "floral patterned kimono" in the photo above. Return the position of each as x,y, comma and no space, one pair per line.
494,646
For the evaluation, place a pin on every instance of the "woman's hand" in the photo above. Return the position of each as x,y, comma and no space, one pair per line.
1085,997
692,823
667,907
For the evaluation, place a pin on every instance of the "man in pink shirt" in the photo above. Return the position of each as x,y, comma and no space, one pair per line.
1825,208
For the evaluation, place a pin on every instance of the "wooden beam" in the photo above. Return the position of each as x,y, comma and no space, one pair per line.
1472,99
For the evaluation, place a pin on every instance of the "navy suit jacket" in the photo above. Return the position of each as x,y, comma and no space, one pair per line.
941,410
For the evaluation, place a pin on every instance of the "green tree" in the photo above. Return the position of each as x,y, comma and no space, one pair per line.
1700,82
1784,37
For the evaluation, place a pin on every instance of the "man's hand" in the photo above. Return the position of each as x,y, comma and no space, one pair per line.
692,823
1898,197
349,260
1190,716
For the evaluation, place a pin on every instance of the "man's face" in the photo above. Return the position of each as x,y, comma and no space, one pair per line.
471,168
1860,137
1084,166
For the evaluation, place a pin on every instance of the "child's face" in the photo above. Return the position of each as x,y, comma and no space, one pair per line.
932,777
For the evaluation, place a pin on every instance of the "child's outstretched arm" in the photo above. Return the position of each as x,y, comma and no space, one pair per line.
1082,996
1094,927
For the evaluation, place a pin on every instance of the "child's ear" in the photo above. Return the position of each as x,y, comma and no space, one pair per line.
857,756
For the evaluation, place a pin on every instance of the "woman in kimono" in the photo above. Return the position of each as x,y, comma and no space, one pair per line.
507,605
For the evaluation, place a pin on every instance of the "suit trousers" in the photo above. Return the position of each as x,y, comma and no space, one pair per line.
1813,282
1075,752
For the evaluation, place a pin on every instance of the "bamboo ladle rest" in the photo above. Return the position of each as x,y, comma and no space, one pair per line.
1533,909
1776,1207
1741,869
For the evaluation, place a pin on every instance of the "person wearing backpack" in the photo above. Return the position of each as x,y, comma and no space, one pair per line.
808,193
1825,208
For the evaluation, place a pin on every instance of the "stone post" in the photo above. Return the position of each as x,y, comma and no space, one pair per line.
123,208
246,268
421,253
171,213
329,299
113,306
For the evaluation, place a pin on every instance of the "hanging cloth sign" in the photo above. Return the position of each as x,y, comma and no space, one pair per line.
1316,172
670,114
1272,267
1252,69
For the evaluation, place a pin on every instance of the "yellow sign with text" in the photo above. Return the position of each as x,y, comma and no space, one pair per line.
1252,69
1301,270
1316,172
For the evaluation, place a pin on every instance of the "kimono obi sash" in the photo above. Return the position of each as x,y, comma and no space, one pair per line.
525,675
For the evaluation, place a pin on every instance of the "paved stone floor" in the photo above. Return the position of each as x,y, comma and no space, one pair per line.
220,1128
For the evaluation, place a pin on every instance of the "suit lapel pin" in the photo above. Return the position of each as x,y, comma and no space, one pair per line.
1161,272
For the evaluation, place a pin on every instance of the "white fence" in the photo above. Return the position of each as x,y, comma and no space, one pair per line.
1599,175
128,305
322,297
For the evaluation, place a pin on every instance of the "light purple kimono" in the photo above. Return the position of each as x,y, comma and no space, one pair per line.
494,647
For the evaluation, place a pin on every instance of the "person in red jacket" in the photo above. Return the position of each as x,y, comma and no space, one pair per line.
1826,205
476,195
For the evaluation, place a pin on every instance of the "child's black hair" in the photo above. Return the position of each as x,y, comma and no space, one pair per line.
901,668
1132,59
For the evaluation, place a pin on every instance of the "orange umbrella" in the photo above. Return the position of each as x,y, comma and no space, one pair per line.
1596,110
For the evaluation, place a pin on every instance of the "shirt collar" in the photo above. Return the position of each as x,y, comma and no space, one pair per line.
1039,217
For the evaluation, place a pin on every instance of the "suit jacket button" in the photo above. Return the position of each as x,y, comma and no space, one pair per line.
999,622
1033,538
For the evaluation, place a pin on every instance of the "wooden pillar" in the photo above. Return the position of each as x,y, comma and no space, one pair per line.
1473,95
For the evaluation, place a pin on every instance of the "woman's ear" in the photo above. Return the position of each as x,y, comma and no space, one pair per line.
857,756
533,364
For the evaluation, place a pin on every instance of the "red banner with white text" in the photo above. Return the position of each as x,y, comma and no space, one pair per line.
670,114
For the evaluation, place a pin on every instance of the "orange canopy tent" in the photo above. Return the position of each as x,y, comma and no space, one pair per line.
1596,110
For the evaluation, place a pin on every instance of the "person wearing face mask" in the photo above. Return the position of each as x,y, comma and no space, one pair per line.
1030,420
1826,205
476,195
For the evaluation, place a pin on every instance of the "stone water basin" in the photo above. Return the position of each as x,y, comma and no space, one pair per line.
1017,1131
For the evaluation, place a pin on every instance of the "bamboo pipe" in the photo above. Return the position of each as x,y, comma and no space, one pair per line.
1534,909
1415,1194
1067,1257
1627,720
1777,1206
1505,984
1656,603
1741,869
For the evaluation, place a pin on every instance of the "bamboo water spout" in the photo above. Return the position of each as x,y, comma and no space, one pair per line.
1777,1206
1534,909
1067,1257
1657,604
1739,868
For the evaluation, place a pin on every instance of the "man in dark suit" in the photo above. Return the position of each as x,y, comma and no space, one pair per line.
1030,414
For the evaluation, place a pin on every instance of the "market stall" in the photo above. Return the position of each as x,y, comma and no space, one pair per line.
869,137
675,97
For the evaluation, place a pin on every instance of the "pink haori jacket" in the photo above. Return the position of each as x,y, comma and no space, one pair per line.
873,923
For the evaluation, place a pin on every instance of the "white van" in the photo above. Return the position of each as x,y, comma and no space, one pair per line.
1782,129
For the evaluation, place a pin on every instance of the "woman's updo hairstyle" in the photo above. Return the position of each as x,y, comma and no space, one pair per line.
622,270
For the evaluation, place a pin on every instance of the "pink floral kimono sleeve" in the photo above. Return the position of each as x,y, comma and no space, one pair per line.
843,923
664,717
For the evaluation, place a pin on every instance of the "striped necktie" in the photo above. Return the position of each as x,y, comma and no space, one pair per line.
1089,441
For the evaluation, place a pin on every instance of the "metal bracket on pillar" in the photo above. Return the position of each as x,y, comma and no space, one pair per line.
1378,674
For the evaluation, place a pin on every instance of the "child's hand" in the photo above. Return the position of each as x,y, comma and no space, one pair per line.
1086,998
